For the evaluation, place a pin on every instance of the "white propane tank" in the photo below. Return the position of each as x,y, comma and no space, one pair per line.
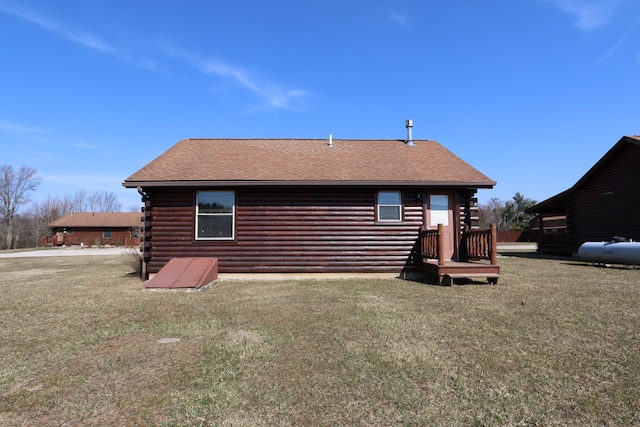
611,252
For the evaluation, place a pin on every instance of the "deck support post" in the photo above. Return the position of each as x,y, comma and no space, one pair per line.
440,244
494,244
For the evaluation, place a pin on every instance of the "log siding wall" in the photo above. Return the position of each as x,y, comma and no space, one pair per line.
281,230
606,205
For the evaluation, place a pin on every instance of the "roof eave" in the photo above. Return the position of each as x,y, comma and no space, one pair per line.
556,204
289,183
552,205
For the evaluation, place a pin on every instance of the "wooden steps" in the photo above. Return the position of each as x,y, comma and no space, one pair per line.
447,279
450,270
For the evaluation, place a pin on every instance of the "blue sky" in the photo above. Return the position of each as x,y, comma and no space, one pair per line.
530,92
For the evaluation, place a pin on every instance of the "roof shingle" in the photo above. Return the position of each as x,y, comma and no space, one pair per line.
309,161
98,219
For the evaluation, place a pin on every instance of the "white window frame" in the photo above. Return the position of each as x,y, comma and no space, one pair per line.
379,205
232,214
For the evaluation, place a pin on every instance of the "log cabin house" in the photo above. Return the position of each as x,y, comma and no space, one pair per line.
312,206
96,229
600,205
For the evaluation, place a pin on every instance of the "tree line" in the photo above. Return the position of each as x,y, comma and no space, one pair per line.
508,215
25,228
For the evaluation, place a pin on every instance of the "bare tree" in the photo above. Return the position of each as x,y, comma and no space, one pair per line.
44,213
103,201
15,190
493,212
28,230
509,215
76,202
31,226
109,202
93,202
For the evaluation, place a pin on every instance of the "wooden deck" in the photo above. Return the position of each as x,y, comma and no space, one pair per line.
477,253
451,270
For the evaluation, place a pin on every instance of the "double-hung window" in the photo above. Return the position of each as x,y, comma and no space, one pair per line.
215,215
389,206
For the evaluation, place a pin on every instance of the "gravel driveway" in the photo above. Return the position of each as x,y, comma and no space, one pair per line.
66,252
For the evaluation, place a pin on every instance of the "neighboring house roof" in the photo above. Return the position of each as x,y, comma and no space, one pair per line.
557,203
98,220
242,162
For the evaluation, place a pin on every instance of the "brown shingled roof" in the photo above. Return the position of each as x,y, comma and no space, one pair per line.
98,219
307,162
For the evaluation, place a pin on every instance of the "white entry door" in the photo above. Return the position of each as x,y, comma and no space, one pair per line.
440,211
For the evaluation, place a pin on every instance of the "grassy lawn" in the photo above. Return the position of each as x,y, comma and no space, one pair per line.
557,342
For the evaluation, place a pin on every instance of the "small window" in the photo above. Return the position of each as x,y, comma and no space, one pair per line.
106,234
389,206
215,215
439,209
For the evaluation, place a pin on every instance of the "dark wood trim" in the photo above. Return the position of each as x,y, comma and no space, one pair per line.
340,184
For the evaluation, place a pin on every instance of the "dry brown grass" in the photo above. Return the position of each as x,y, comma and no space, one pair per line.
555,343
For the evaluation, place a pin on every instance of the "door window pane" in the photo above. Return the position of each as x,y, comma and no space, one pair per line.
439,208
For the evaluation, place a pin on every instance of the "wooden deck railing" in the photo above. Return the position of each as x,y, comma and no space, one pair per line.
429,243
481,244
475,244
52,240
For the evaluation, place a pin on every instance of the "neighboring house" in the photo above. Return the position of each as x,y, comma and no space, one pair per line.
552,236
304,205
96,228
603,204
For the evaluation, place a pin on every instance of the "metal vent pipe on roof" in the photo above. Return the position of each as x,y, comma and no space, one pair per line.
409,124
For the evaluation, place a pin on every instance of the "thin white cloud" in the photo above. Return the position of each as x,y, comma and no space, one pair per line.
274,96
587,14
400,19
612,50
19,128
78,37
84,145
